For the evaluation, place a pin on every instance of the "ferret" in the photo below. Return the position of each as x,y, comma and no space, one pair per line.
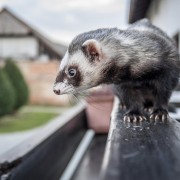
142,63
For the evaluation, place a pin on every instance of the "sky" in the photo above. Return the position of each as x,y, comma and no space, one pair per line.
61,20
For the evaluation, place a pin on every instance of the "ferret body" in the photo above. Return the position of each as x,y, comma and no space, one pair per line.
141,62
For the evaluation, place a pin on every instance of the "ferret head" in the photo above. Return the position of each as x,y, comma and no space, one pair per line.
80,68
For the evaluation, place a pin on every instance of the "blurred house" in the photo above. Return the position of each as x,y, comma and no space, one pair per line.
18,40
162,13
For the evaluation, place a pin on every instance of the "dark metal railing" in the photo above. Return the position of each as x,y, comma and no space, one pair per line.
134,151
46,155
146,151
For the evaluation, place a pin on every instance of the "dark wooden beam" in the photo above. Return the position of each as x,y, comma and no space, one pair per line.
146,151
138,9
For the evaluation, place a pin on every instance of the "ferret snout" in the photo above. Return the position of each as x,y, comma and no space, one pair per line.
62,88
57,91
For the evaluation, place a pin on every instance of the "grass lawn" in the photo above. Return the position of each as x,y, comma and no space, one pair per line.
24,120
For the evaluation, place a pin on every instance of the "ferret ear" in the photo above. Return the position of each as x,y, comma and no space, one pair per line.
92,50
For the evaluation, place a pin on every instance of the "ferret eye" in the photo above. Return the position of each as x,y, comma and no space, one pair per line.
72,72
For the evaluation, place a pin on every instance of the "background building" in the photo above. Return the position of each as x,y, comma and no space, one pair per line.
18,40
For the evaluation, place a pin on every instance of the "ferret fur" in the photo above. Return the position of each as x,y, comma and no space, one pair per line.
141,62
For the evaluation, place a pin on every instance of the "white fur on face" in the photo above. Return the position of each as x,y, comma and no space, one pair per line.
64,61
89,72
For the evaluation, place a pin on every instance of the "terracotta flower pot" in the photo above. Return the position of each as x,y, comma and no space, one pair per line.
99,107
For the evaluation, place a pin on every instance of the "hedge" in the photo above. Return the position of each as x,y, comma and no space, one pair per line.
19,85
7,94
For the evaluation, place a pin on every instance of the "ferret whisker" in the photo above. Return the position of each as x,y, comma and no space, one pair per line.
78,100
100,107
76,97
71,101
66,89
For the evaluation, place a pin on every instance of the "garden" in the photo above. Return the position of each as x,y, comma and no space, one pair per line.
15,114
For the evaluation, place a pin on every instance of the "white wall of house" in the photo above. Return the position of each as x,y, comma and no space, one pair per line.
166,15
18,47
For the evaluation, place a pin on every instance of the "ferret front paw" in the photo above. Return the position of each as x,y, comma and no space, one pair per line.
159,115
131,117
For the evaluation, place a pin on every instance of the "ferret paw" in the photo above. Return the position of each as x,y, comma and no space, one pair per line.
159,115
129,117
122,106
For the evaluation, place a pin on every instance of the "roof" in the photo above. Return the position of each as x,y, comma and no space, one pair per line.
138,9
11,25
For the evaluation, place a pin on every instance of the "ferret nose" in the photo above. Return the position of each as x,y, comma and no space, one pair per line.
58,92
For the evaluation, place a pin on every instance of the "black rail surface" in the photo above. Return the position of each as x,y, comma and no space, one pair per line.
147,151
48,160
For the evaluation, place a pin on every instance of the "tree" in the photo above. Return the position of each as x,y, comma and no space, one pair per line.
7,94
19,85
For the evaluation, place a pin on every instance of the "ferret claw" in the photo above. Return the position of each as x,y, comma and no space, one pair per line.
156,118
127,119
140,118
164,117
144,118
159,115
134,118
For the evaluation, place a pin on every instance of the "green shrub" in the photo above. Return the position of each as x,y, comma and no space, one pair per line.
7,94
18,82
